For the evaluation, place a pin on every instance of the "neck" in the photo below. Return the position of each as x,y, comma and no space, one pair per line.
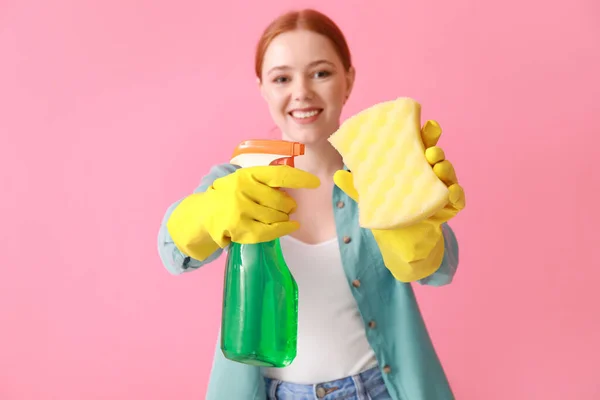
320,159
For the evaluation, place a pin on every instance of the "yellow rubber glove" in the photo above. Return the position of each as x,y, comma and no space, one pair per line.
415,252
243,207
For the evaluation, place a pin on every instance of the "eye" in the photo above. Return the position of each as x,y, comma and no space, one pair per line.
281,79
322,74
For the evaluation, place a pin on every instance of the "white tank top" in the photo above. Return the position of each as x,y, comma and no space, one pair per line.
332,343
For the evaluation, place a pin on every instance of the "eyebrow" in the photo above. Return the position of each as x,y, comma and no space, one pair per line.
312,64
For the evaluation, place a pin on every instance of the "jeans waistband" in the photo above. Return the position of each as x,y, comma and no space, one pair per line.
359,385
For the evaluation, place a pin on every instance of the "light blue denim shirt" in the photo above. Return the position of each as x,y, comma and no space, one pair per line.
404,351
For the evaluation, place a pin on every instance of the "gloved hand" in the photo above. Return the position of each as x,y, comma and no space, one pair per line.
243,207
416,251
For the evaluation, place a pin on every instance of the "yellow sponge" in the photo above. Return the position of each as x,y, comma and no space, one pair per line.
383,148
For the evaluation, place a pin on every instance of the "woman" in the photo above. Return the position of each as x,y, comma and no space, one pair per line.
360,333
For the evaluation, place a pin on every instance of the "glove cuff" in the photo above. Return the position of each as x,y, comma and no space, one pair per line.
187,230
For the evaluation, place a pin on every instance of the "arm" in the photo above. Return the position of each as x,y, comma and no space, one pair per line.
173,259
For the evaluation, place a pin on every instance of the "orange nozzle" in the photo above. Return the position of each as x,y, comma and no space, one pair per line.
288,150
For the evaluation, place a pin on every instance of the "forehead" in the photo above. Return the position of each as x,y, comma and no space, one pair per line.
299,48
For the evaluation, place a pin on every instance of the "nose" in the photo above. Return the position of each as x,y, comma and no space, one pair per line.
302,89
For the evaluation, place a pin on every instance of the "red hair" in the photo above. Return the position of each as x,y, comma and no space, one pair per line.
304,19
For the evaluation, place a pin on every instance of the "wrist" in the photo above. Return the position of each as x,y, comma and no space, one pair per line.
187,227
412,243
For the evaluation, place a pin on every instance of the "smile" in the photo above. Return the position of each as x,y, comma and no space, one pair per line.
306,116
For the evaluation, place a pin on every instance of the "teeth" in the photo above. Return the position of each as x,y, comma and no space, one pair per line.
304,114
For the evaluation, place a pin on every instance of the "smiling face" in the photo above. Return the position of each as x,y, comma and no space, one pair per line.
305,85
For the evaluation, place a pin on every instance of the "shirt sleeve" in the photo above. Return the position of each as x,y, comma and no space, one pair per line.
171,257
447,269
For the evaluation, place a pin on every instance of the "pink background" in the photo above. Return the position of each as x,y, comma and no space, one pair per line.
110,111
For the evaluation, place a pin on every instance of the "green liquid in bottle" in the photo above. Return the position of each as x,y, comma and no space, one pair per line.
259,325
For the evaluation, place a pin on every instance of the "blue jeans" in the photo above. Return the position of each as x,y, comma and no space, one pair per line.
367,385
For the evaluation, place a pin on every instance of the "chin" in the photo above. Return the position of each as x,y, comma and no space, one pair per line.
308,136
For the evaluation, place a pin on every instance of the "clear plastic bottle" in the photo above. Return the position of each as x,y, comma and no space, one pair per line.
259,324
260,306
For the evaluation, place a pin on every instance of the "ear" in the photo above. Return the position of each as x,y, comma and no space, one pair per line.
261,87
350,77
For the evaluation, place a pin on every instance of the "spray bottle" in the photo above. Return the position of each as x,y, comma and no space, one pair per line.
259,325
